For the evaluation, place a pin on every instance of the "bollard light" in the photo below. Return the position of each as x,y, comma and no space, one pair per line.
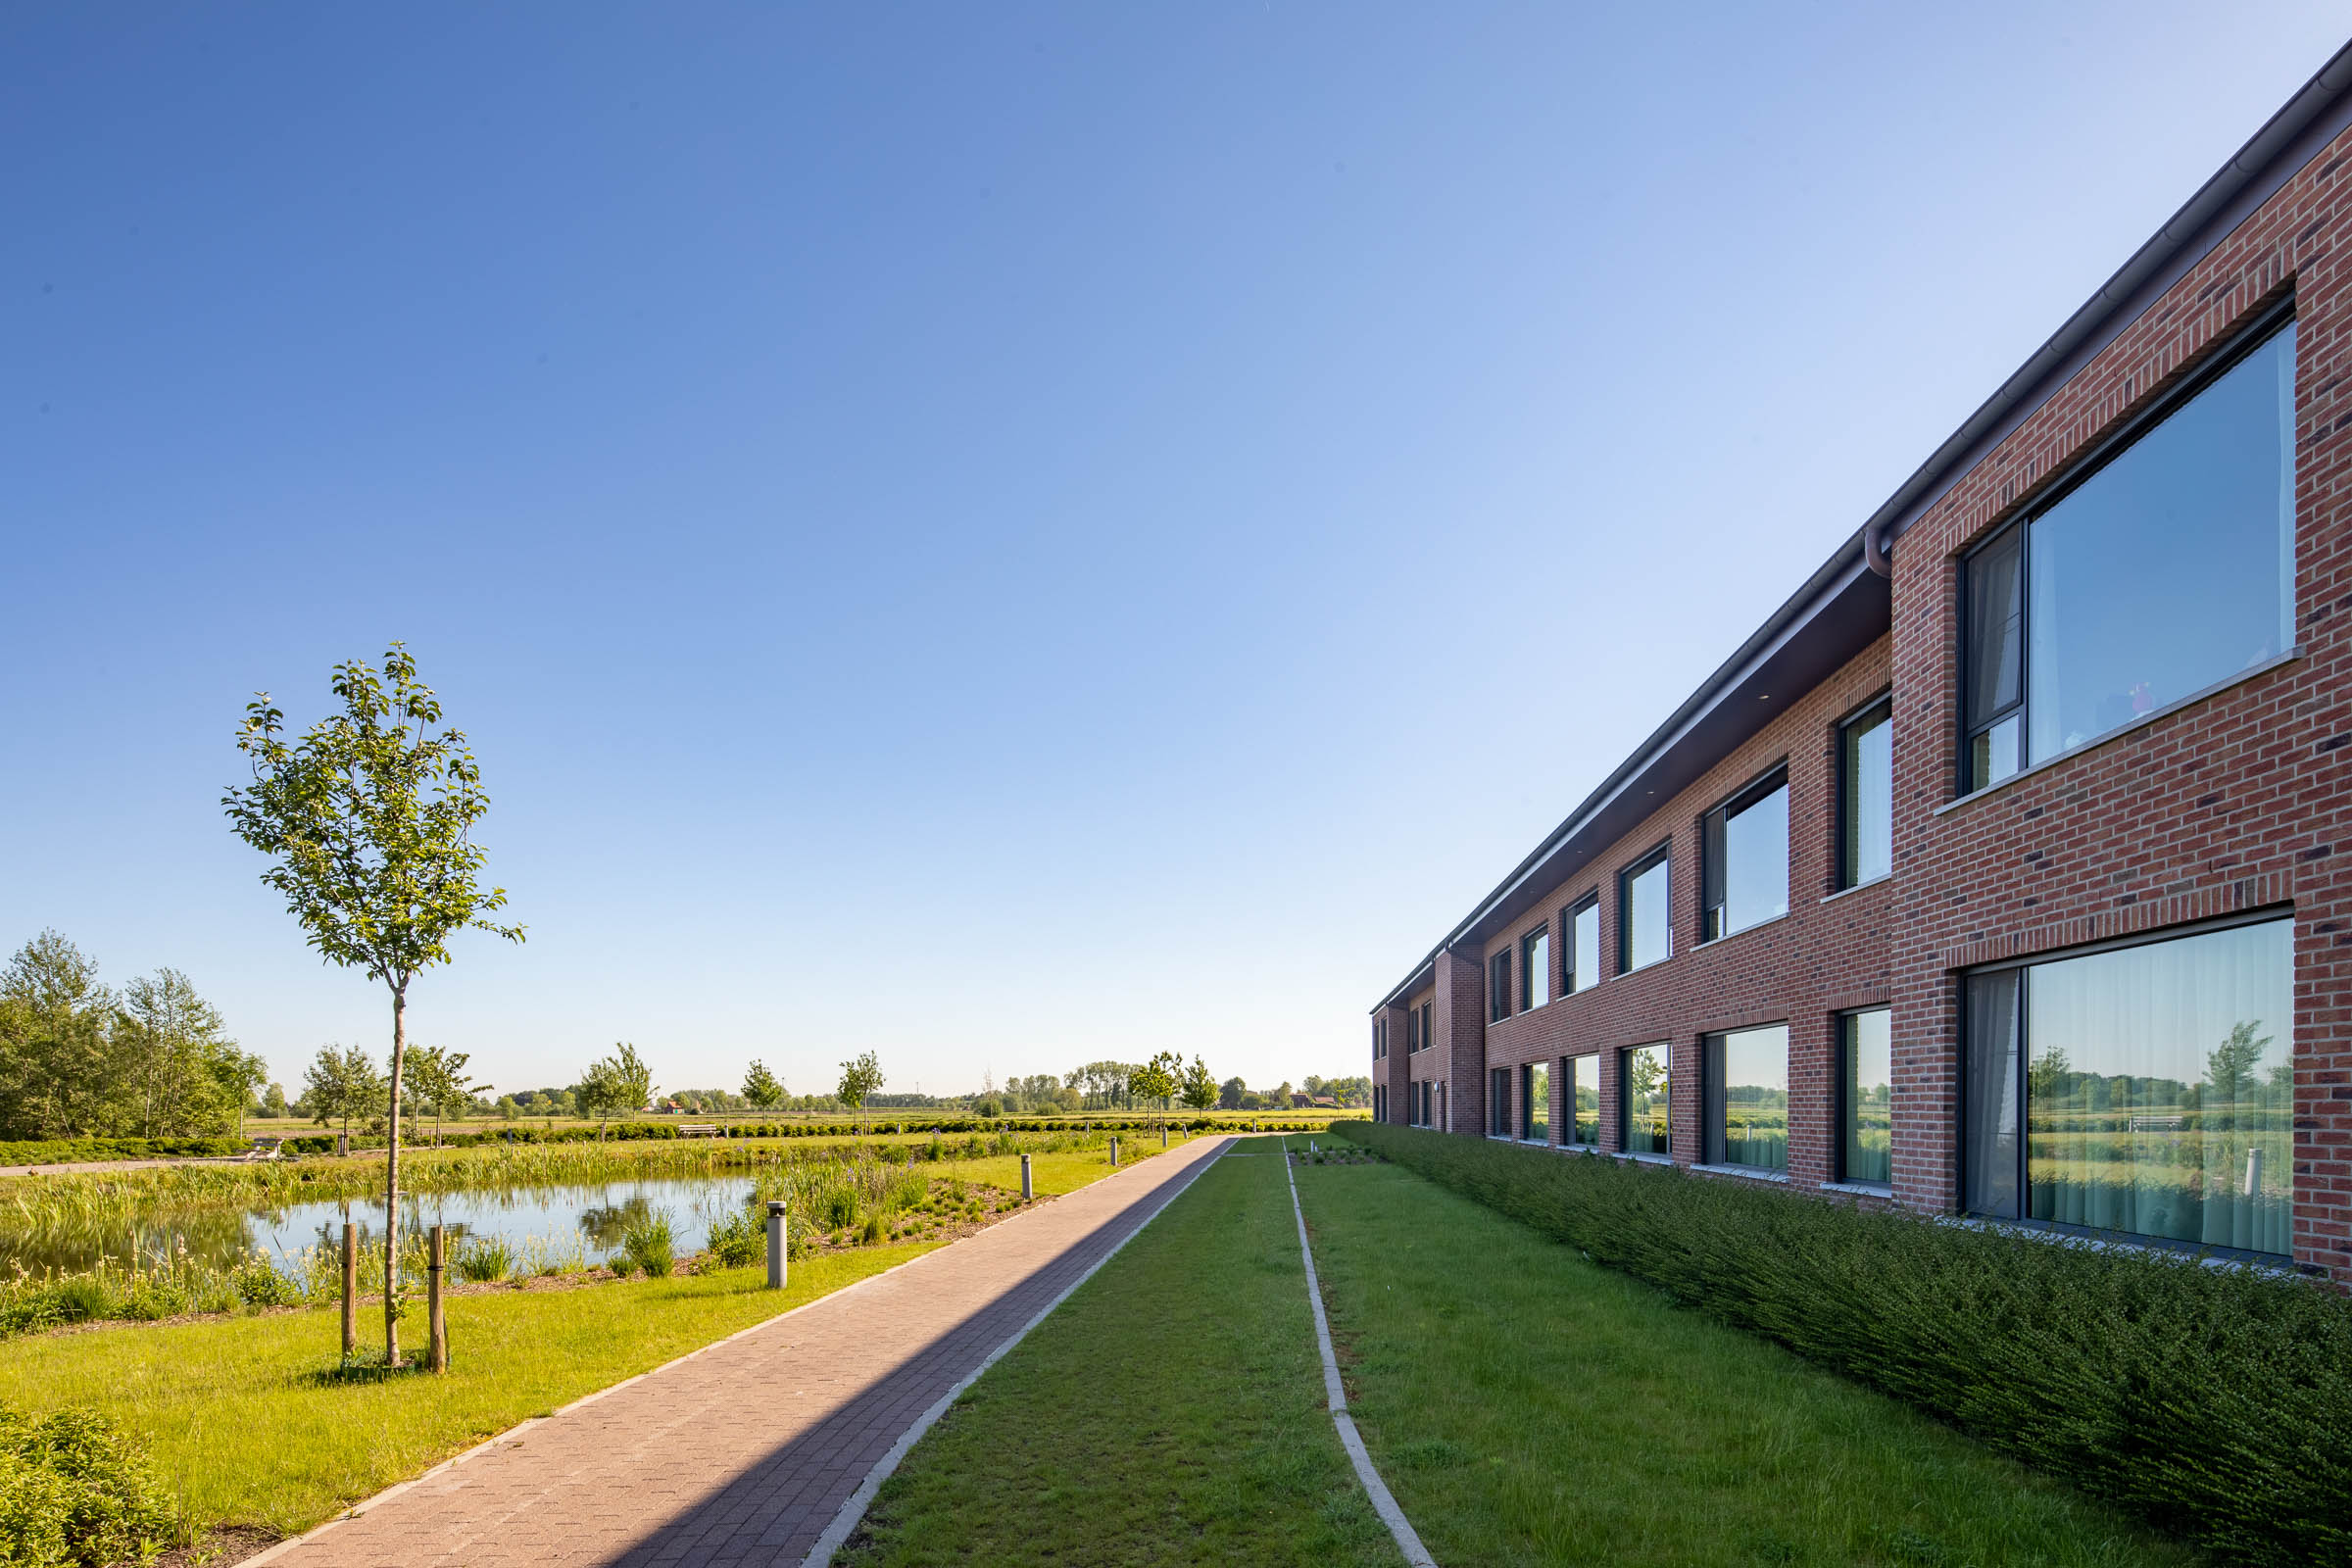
1027,1191
776,1243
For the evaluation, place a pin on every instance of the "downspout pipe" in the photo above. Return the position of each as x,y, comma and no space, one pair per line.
1873,552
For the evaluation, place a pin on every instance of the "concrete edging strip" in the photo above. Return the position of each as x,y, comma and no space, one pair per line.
1383,1502
837,1534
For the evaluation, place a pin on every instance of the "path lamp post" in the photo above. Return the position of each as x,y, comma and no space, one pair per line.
1026,1191
776,1243
1114,1153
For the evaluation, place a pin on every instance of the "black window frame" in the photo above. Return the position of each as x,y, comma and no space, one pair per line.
1380,1038
1499,1104
1625,1100
1426,1022
1412,1031
1712,1132
1879,709
1568,914
1713,881
1962,1127
1527,968
1527,1100
2086,467
1498,986
1840,1104
1662,854
1565,1133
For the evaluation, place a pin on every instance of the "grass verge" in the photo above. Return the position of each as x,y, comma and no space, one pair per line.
245,1431
1529,1407
1170,1412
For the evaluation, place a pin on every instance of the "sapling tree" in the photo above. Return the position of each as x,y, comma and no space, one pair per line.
339,1085
1200,1088
761,1087
1156,1079
367,821
438,1083
859,1077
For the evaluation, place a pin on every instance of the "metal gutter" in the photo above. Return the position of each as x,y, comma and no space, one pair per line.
2286,142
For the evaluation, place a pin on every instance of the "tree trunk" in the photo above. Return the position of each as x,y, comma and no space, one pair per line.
399,1045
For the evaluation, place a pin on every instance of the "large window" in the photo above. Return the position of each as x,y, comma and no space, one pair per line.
1645,1084
2168,570
1535,1102
1535,968
1643,933
1380,1037
1746,1083
1498,986
1427,1039
1866,795
1499,1103
2148,1089
1744,859
1580,1101
1580,967
1865,1097
1412,1030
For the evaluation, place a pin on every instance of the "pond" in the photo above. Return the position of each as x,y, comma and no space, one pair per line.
559,1222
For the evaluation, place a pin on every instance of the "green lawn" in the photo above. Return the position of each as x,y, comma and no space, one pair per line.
243,1432
1526,1406
1170,1412
1054,1174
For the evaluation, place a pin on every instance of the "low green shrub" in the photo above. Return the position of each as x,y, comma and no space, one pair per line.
76,1491
738,1239
647,1244
2213,1401
64,1150
259,1282
483,1259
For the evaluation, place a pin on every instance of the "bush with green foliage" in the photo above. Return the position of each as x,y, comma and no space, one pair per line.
738,1239
2214,1401
76,1491
81,1150
646,1244
484,1259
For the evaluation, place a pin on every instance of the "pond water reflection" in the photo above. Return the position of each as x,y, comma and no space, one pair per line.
590,1218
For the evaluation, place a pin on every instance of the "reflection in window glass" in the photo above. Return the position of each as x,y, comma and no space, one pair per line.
1648,1086
2157,1086
1534,969
1866,797
1865,1097
1580,1095
1747,1101
1645,936
2172,566
1747,863
1535,1098
1584,953
1499,1103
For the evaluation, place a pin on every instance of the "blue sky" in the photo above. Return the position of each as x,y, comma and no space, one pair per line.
1000,535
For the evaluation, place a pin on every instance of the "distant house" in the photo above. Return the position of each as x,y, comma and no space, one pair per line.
1322,1102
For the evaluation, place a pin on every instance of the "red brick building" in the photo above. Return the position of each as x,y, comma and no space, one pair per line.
2007,869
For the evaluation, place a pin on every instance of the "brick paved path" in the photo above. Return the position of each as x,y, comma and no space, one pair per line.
743,1453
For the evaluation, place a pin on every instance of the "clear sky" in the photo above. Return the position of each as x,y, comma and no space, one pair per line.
1001,535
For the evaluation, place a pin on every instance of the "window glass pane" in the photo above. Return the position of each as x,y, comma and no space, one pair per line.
1536,1124
1868,803
1588,947
1647,1082
1988,1097
1866,1098
1582,1098
1994,754
1995,615
1535,967
2172,566
2161,1088
1499,1102
1752,1098
1646,934
1755,862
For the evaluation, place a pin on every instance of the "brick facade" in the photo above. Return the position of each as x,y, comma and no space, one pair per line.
2232,801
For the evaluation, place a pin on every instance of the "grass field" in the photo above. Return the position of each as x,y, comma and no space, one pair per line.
244,1431
1525,1406
1170,1412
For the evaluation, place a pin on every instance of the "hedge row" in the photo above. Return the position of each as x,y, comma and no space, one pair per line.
2215,1401
626,1132
58,1150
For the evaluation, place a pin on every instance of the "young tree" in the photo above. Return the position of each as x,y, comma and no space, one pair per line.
1200,1086
274,1101
439,1084
619,1082
762,1088
1156,1079
1229,1094
859,1077
339,1085
369,821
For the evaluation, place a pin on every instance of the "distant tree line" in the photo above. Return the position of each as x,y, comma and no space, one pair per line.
1347,1093
81,1059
